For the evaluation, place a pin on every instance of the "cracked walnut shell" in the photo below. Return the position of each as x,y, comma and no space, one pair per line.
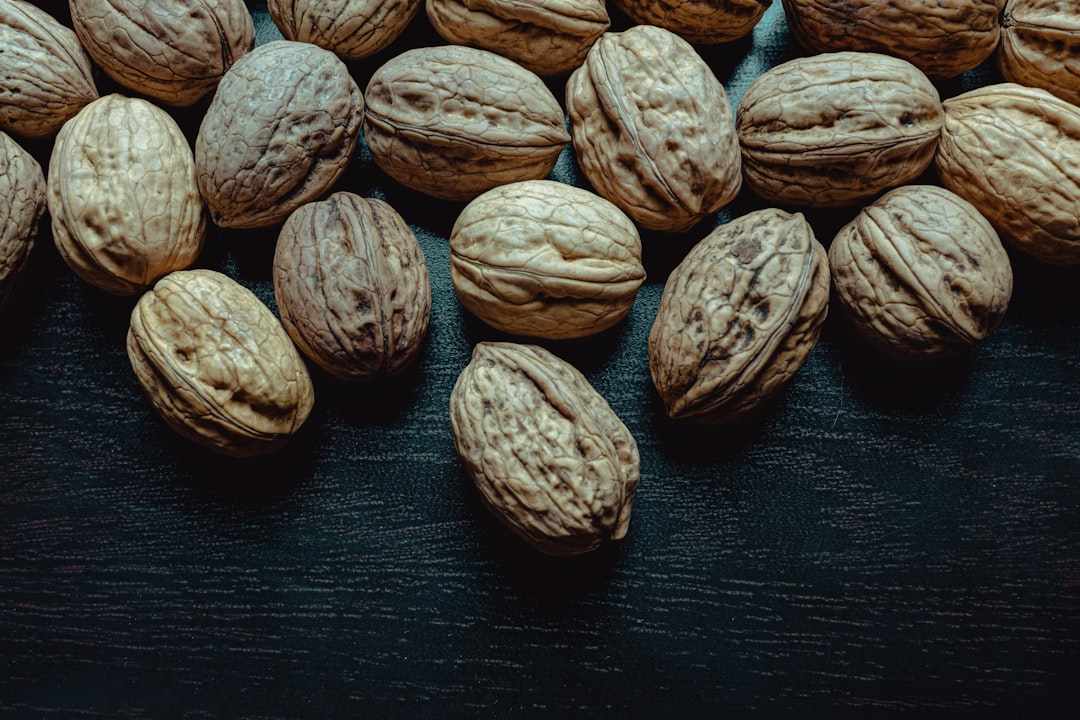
549,456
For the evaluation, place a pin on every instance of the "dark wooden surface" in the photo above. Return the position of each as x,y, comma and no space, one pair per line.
888,538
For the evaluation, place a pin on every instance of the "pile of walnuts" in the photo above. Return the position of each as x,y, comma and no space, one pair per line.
855,122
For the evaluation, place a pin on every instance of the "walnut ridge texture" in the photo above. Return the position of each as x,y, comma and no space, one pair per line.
351,29
22,204
1040,46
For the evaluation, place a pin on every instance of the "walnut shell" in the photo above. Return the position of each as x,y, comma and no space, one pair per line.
1014,153
544,259
1040,46
279,133
653,129
738,317
549,456
837,128
174,51
548,37
351,29
943,38
701,22
921,273
45,75
454,121
22,203
217,365
123,198
352,286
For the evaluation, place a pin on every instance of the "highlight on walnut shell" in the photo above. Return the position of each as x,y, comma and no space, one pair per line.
739,317
548,455
351,29
547,260
921,274
702,22
22,205
1040,46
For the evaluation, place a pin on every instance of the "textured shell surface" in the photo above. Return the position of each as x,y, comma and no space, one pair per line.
739,316
698,21
837,128
921,273
124,202
549,456
1040,46
352,287
279,132
217,365
454,121
351,29
46,76
543,259
1014,153
22,205
653,129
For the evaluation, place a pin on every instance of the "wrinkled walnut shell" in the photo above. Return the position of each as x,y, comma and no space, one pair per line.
701,22
1040,46
351,29
22,203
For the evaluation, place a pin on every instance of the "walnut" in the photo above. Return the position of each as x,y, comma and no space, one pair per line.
279,133
123,198
943,38
22,204
547,260
738,317
698,21
548,37
549,456
1014,153
921,273
352,286
1040,46
454,121
351,29
217,365
45,75
837,128
653,129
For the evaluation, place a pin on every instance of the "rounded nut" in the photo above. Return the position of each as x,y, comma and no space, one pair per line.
174,51
454,121
921,273
45,75
653,129
217,365
22,203
123,198
1040,46
279,133
1014,153
352,286
544,259
548,455
351,29
739,316
701,22
837,128
943,39
548,37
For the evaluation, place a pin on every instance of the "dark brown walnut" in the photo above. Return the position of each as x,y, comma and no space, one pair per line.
548,37
352,286
653,129
45,75
454,121
174,51
544,259
22,203
1014,153
216,364
123,199
943,38
921,273
738,317
701,22
837,128
351,29
1040,46
549,456
279,133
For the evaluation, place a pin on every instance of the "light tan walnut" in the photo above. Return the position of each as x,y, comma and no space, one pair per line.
351,29
22,204
1040,46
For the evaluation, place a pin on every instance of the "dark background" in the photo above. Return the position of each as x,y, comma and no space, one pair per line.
887,538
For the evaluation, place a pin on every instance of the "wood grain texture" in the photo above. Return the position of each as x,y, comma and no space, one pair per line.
886,539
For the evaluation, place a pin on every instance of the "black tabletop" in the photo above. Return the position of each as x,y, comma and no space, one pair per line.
887,538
